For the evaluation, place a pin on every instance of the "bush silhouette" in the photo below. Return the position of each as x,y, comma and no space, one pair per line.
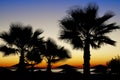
114,64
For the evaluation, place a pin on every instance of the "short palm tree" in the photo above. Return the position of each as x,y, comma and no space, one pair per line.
84,28
54,53
33,57
19,40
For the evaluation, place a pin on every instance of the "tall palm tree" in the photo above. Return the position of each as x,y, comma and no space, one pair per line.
54,53
19,40
84,28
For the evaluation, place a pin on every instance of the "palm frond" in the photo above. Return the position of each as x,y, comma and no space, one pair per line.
7,38
63,53
34,55
77,43
8,51
106,29
68,24
37,33
77,15
67,35
55,53
91,13
94,44
105,40
82,23
104,18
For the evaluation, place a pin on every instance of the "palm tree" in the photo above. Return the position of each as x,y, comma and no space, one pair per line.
54,53
84,28
33,57
19,40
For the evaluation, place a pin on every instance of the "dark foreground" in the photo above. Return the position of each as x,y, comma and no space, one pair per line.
54,76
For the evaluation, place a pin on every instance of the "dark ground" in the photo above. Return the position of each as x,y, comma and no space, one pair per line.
54,76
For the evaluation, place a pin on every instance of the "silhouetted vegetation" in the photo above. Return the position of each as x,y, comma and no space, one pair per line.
82,28
33,58
114,65
19,40
54,53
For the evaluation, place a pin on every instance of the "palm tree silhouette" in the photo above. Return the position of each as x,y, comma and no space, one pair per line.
84,28
19,40
54,53
33,57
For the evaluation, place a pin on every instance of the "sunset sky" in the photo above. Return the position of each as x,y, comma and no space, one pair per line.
45,15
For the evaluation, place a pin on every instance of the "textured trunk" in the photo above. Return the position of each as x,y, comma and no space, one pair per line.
49,66
21,65
87,60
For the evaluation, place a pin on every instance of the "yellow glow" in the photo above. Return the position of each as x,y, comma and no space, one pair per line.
8,60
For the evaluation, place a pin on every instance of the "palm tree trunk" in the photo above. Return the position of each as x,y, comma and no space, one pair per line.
49,66
32,68
21,66
87,60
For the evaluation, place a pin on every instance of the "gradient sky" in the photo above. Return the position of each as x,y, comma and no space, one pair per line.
45,15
